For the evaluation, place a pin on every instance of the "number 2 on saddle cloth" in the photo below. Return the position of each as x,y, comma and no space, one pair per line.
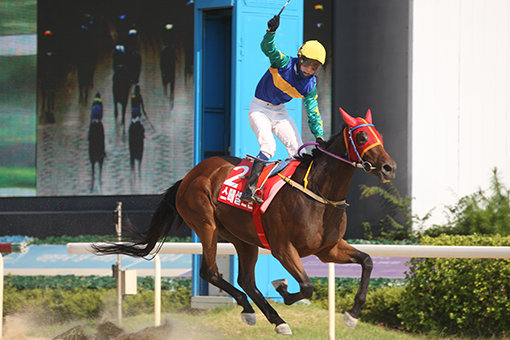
235,183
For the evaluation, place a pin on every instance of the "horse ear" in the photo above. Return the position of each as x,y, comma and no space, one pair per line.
351,122
368,117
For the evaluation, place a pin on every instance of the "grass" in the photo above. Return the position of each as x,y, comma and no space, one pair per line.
306,321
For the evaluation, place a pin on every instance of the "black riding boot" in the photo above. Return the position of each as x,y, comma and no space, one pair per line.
249,192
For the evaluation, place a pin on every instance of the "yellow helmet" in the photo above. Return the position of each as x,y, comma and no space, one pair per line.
312,49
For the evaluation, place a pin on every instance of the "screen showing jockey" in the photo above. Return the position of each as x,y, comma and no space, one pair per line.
287,78
96,112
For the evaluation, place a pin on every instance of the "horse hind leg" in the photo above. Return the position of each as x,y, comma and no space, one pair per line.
93,176
100,184
115,111
342,252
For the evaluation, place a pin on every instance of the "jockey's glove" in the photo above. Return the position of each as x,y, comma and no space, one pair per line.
273,24
321,141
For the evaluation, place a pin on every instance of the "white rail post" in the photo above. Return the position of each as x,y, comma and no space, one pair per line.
157,291
118,228
331,299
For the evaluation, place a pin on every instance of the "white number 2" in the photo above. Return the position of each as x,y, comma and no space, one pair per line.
231,181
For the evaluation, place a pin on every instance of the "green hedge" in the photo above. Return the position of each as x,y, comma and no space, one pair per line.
383,298
67,282
458,296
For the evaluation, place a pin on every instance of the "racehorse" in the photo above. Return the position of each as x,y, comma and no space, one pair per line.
96,150
121,87
86,55
167,62
167,66
295,224
136,136
48,66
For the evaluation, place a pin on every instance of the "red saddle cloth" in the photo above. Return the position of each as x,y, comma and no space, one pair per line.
234,185
236,181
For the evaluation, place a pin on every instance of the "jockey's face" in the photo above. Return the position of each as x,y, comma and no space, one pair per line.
309,67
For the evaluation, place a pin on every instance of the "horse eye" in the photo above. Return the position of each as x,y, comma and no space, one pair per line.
361,138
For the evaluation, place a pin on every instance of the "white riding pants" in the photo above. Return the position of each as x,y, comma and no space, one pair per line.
267,119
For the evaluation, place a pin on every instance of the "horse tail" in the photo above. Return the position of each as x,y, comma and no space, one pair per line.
163,219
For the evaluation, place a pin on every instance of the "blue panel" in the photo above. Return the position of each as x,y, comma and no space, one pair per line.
210,4
214,63
215,132
267,270
250,24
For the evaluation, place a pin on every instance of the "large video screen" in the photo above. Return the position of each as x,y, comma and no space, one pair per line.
97,96
114,96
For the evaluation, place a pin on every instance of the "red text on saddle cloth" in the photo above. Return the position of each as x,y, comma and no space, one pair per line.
235,183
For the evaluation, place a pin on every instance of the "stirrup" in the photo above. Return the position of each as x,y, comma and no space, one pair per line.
251,197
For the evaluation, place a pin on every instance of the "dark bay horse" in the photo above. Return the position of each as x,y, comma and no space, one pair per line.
120,88
96,150
136,134
296,225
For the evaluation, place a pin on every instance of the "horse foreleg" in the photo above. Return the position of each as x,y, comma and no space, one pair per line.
93,177
115,111
209,270
124,117
248,255
291,261
100,175
342,252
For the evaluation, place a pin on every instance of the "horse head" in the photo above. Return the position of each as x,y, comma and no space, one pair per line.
364,145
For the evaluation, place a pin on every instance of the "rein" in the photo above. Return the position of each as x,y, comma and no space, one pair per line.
360,165
366,166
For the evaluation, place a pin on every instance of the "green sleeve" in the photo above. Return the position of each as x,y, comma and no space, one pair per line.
314,116
277,58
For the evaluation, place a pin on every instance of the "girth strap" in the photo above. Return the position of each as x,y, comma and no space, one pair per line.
257,220
294,184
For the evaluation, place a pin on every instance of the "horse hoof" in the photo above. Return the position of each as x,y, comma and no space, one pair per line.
249,318
350,321
283,329
278,283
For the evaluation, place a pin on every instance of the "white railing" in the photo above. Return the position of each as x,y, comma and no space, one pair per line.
371,249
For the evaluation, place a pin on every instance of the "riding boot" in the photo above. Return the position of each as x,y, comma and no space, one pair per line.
249,192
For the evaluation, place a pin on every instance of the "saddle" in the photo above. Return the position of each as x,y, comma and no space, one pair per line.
268,183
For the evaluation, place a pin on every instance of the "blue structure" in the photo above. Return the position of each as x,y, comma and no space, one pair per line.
228,66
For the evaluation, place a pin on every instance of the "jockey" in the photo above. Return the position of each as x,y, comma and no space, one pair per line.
137,106
287,78
96,114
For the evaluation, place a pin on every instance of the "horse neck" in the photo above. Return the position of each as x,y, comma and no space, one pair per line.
332,176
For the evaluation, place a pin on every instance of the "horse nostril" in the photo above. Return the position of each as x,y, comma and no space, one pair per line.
387,168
